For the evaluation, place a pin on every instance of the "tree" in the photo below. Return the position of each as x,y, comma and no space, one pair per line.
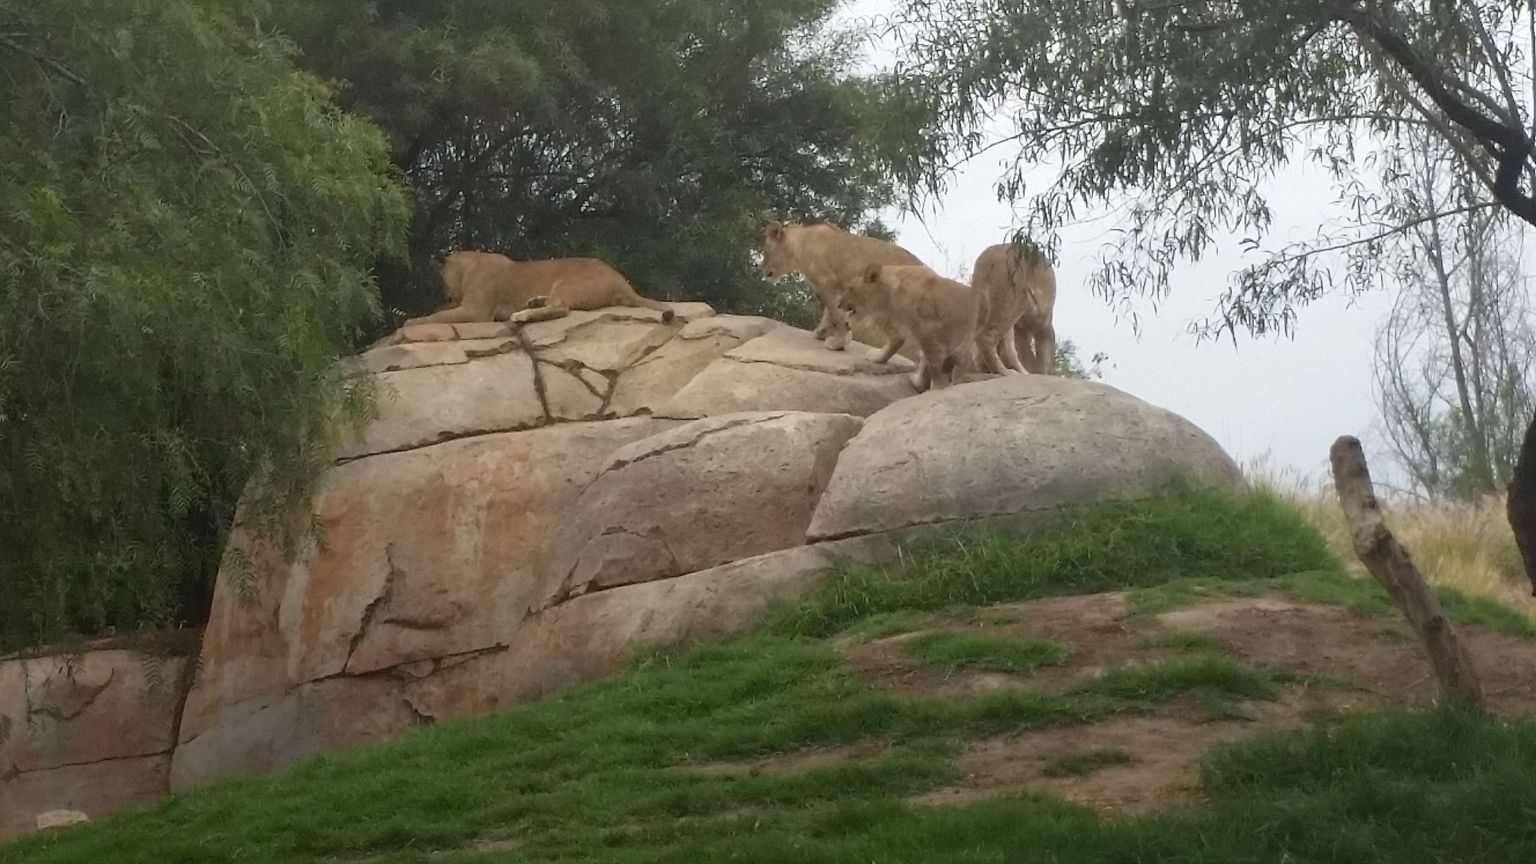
185,229
1070,365
1186,109
1454,359
640,132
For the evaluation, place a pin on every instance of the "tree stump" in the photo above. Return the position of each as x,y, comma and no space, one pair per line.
1391,565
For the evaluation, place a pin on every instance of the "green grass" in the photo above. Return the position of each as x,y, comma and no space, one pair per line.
1182,534
604,773
1166,680
1191,641
1085,762
1017,654
1327,587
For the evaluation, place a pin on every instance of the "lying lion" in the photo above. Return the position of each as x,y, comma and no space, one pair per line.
832,260
1020,286
911,302
485,286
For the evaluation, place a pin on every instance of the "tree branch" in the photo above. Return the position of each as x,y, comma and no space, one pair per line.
1512,143
59,68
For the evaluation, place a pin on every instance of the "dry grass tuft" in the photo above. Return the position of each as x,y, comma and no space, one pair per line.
1464,546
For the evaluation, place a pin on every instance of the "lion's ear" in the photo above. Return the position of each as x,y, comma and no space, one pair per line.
776,230
872,273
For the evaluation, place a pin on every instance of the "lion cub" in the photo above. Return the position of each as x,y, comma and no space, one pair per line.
485,286
831,259
913,302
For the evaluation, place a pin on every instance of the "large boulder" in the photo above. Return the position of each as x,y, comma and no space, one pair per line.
444,520
534,503
1009,446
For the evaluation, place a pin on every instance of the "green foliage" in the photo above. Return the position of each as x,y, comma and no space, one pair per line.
1178,114
185,229
642,132
1183,533
1069,365
985,653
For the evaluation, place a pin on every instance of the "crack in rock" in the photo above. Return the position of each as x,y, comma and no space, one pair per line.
85,696
401,671
570,591
386,591
421,717
928,523
620,464
538,382
508,346
574,368
870,370
17,772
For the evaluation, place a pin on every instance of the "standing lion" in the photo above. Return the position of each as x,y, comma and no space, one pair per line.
1020,286
832,260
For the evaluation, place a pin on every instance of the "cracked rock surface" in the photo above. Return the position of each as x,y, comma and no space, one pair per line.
91,732
535,501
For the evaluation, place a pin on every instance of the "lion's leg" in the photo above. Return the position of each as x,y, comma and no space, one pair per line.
454,315
541,312
824,326
884,355
838,327
986,353
931,366
1010,345
1045,350
919,378
1024,338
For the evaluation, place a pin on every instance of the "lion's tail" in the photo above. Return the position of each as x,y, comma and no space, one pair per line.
647,303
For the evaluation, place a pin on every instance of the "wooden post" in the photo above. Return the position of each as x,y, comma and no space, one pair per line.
1391,565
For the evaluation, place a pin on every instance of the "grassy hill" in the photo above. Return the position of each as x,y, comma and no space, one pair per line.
1192,679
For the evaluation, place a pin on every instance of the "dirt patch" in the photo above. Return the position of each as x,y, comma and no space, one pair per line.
1338,661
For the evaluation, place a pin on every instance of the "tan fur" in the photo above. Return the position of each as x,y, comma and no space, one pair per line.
914,303
1020,286
485,286
832,260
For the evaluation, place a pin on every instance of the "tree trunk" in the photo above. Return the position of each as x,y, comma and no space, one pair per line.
1522,504
1391,565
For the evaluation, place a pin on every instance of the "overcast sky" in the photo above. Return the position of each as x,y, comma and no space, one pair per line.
1279,400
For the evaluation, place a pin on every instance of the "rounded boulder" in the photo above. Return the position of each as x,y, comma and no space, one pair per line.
1009,447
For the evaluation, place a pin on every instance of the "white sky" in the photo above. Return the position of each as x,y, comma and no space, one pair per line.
1283,401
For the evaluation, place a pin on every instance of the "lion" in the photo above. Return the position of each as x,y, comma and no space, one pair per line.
1020,286
911,302
485,286
832,260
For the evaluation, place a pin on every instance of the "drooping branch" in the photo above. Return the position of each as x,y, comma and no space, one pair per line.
1507,141
1391,565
